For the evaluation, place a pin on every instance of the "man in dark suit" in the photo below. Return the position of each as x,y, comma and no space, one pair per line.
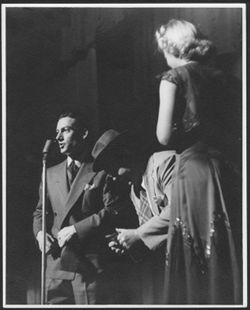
127,158
80,211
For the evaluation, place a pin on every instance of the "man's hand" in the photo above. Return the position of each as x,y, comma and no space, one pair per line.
49,241
114,243
65,235
116,247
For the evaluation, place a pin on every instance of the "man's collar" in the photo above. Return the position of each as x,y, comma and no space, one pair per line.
77,162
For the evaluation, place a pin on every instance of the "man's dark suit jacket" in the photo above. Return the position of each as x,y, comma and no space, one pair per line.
89,206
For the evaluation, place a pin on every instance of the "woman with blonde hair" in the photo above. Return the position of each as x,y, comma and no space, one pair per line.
201,263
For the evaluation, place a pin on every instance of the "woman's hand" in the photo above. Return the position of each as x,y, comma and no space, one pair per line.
127,237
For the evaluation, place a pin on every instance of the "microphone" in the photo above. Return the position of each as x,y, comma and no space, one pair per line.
46,147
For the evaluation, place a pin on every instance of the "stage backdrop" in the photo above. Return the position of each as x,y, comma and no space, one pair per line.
101,60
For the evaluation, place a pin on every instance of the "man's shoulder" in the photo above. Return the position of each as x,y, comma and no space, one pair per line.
100,175
57,166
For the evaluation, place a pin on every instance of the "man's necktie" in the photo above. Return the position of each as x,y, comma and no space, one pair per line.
72,172
144,212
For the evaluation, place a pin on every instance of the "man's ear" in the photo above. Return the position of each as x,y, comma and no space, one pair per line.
85,134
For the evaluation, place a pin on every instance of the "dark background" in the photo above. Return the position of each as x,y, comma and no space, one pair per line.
103,61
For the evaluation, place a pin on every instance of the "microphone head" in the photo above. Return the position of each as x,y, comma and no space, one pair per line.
47,145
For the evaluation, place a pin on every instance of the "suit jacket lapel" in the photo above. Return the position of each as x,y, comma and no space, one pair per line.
61,180
83,177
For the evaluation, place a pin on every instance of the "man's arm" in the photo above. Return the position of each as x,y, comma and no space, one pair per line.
37,214
105,220
37,223
155,231
117,210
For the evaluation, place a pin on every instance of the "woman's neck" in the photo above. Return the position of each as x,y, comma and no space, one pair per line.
180,62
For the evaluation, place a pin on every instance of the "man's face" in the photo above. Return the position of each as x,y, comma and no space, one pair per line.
67,136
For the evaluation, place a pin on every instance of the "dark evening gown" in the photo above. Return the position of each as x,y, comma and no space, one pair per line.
202,264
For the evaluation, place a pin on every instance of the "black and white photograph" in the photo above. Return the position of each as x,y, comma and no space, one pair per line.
124,155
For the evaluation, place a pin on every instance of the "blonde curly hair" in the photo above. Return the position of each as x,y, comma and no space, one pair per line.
182,39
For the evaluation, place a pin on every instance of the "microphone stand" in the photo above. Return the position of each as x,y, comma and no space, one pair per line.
43,265
44,230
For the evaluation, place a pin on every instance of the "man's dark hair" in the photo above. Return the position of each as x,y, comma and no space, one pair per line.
81,123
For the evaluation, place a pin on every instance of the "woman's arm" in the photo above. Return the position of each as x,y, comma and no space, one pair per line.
165,116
